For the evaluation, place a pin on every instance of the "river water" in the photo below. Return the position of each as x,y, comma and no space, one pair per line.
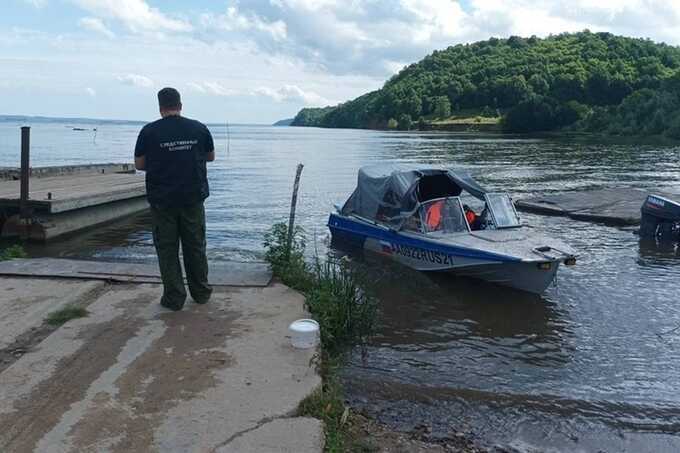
591,365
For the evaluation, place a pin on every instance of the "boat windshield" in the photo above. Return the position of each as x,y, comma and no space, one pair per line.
502,210
443,215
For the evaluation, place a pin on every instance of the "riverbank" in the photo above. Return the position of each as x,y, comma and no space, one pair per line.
132,376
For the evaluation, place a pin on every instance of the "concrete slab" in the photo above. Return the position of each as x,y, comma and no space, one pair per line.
616,206
25,304
221,274
133,377
280,436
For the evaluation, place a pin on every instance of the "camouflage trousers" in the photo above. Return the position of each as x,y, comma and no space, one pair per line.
184,225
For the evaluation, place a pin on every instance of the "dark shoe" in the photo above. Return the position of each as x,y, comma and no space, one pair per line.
173,307
202,300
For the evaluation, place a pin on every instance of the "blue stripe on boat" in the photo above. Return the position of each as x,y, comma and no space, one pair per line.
336,222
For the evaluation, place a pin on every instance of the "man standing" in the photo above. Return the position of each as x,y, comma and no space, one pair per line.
173,151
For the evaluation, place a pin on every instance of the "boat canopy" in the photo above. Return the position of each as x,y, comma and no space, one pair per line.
392,193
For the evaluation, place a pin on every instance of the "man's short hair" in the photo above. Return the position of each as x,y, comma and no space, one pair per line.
169,98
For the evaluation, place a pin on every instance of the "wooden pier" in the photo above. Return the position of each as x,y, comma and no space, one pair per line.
67,199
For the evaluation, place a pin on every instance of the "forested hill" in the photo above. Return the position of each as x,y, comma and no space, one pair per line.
583,81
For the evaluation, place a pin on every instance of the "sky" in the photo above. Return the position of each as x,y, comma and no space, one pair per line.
259,61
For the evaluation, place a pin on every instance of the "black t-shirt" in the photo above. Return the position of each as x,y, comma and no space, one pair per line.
175,150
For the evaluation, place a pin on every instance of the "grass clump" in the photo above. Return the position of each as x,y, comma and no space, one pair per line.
342,309
327,404
69,312
346,316
12,252
288,264
332,292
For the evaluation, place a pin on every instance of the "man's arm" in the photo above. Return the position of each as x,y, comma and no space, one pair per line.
140,151
209,144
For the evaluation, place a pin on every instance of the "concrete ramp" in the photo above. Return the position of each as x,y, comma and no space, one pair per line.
134,377
221,274
615,206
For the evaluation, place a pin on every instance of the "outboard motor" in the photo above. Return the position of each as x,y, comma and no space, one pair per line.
660,219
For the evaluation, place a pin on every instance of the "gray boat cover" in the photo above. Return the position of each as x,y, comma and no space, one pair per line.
389,193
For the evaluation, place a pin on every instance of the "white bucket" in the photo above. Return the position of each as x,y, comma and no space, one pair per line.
304,333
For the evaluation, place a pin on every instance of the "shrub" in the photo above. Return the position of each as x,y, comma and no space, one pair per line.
10,253
488,112
342,309
288,265
405,122
346,316
333,295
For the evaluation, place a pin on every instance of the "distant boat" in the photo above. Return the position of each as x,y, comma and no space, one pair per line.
414,215
79,129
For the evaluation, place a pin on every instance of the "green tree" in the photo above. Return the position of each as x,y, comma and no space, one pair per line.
596,79
414,105
442,107
538,84
405,123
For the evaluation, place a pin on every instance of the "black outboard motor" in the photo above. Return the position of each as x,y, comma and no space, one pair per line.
660,219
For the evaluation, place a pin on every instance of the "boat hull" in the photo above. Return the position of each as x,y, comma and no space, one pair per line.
431,256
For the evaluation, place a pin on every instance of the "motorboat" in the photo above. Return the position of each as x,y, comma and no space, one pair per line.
418,216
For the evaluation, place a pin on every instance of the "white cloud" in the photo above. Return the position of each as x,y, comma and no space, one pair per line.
136,80
298,52
373,37
137,15
294,94
97,25
91,91
214,88
233,20
360,36
197,87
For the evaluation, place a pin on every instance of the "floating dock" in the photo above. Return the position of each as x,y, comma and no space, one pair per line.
67,199
615,206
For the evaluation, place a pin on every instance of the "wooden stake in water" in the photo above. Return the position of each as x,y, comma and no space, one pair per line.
293,204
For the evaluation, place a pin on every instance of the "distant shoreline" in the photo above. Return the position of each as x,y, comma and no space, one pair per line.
96,121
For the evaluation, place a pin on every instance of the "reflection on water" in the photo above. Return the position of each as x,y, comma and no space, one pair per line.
656,253
582,367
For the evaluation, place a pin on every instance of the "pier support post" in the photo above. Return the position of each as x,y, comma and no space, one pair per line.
24,210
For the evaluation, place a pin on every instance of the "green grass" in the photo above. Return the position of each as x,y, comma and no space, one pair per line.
12,252
327,405
346,316
69,312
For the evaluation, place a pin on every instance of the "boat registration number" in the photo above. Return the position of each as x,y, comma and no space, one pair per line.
417,253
